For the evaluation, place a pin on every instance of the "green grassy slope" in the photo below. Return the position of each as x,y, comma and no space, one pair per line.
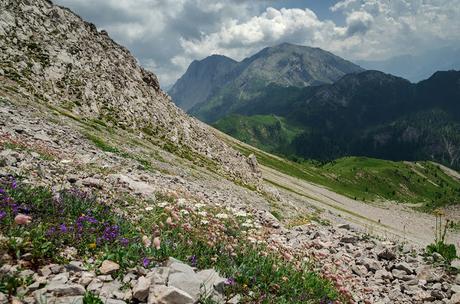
268,132
369,179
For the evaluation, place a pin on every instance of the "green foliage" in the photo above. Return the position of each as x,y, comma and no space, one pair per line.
267,132
9,284
447,251
91,298
101,144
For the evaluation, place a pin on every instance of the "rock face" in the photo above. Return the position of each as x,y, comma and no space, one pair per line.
54,57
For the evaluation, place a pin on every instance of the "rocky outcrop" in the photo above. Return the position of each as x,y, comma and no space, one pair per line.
177,283
50,55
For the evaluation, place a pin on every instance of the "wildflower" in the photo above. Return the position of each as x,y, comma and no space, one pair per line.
92,246
111,233
145,262
169,221
202,213
222,216
63,228
124,242
193,260
149,208
181,202
22,219
157,243
146,241
2,214
184,212
241,213
229,282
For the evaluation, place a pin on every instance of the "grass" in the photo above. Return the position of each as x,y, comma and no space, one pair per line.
205,237
369,179
267,132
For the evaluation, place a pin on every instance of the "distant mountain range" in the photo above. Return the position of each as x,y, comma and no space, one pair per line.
417,67
325,107
217,80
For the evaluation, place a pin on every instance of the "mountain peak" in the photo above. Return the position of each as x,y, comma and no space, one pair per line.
285,64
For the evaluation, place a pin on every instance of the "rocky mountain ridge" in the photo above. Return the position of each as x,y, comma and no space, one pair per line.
285,65
54,56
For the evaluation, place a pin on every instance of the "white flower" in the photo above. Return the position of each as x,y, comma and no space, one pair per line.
204,222
162,205
199,205
149,208
184,212
181,201
203,213
247,225
241,213
222,216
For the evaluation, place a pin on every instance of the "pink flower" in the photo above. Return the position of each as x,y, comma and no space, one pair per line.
22,219
146,241
169,221
157,243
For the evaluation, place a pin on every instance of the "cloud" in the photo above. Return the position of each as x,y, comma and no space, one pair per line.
166,35
359,22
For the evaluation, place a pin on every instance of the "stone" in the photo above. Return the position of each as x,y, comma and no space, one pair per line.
159,275
74,266
359,270
169,295
108,267
176,267
455,288
112,290
371,264
188,282
3,298
455,299
405,267
141,289
68,300
383,274
387,254
344,226
455,264
65,289
349,238
86,278
212,281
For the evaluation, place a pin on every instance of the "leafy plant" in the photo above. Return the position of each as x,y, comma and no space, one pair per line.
91,298
447,251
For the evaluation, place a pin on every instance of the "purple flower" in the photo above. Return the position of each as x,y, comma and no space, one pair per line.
124,242
111,233
229,282
2,214
63,228
193,260
145,262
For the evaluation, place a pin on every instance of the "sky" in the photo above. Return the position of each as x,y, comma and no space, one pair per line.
167,35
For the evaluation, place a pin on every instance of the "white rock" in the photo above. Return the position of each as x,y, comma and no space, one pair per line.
109,267
141,289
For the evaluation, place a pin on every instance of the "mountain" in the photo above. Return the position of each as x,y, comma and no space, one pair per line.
416,67
62,61
217,82
201,78
370,114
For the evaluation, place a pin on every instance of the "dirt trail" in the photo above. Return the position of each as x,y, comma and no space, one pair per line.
388,220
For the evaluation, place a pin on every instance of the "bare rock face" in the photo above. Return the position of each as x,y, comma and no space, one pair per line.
54,57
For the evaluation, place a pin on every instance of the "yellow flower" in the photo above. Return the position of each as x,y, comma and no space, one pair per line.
92,246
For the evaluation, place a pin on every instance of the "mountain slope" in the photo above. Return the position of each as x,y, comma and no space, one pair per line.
228,82
370,114
200,80
55,57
